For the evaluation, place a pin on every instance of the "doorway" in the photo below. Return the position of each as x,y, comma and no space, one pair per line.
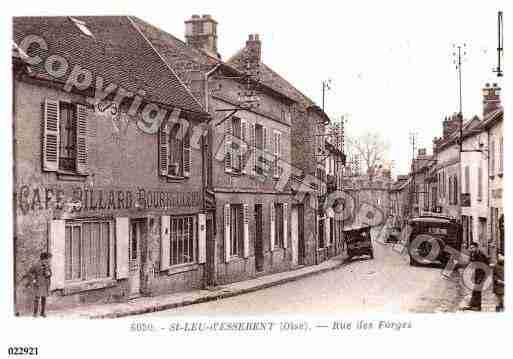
137,235
259,243
298,240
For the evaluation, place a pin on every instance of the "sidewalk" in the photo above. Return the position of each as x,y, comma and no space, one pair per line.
153,304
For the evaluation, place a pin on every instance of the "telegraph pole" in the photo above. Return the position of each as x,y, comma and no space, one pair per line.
457,61
326,85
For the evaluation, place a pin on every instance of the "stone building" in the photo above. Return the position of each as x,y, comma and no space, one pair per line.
119,207
493,116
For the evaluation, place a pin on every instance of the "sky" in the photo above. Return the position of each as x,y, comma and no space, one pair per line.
390,63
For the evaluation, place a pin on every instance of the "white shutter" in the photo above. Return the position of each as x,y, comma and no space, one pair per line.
57,240
227,228
186,154
228,145
327,230
285,223
163,149
82,156
245,213
253,149
165,236
51,137
202,238
272,213
243,145
122,233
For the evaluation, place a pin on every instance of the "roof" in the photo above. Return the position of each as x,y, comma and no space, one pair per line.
433,219
117,51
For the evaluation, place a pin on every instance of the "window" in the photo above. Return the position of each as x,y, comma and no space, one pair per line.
236,230
492,157
501,155
277,152
65,137
182,240
467,179
278,225
320,230
236,150
455,189
174,150
88,250
332,230
479,183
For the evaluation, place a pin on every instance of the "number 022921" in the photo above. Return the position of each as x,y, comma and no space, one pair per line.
23,351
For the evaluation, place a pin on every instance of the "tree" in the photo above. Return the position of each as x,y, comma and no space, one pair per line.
371,149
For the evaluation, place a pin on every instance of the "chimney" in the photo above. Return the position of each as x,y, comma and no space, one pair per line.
450,125
422,152
491,98
254,49
201,33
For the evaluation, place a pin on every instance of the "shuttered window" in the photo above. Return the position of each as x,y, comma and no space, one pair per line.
88,250
279,225
501,155
236,230
492,158
182,245
174,151
65,145
467,179
479,183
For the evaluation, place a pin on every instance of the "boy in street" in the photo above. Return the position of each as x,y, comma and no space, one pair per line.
38,278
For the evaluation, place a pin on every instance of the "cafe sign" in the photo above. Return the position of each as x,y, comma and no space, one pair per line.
33,199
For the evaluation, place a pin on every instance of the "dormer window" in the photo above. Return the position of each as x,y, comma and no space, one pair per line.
82,26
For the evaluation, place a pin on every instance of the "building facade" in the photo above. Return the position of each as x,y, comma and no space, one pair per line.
119,207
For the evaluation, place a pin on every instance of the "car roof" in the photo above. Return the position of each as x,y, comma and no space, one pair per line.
432,219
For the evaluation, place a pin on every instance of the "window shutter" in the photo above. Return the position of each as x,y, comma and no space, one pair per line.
228,146
245,214
51,137
326,231
272,223
227,232
501,155
285,223
57,242
243,147
467,179
82,157
202,238
164,242
186,154
163,149
122,230
492,158
253,149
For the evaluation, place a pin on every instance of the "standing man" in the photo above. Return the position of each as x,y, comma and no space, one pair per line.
479,275
38,278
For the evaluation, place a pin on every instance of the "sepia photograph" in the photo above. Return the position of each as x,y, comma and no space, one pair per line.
245,168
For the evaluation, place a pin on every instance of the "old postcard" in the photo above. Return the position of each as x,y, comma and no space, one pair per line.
245,168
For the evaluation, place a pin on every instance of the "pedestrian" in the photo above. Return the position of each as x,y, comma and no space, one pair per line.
498,282
479,276
38,281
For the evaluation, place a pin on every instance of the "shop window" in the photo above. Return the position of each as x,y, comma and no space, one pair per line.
88,253
182,240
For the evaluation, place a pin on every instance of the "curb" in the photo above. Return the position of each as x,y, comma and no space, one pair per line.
214,297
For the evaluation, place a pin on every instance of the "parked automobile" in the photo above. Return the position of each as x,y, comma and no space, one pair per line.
359,242
429,231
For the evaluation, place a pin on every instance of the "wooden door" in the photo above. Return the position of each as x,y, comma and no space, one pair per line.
259,244
294,235
134,256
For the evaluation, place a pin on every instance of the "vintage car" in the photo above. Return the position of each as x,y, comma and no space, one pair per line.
358,242
429,235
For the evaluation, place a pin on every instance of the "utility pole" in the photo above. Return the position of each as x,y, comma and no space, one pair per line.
500,45
413,137
326,85
457,61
